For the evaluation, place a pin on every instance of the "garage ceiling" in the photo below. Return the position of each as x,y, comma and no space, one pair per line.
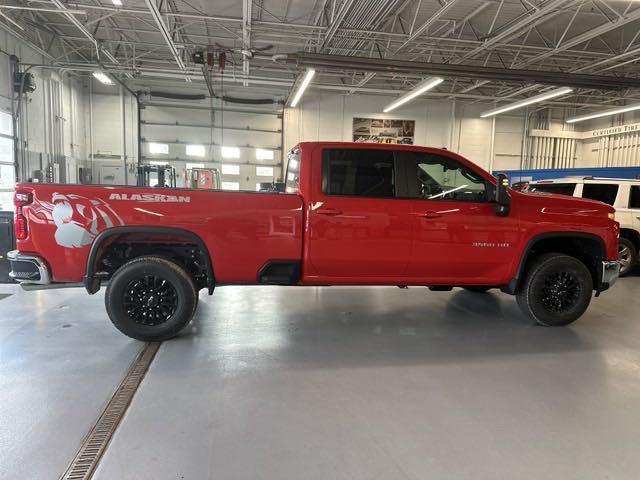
149,43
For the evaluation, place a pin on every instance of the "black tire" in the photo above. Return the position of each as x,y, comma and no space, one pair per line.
478,289
556,291
627,255
151,299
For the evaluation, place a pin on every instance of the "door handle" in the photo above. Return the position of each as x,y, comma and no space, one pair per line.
430,214
328,211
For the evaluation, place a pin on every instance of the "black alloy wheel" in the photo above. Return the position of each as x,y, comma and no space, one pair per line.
150,300
560,291
556,289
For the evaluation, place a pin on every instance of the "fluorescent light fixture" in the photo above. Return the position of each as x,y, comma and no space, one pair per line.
605,113
230,152
195,150
422,87
102,78
528,101
117,3
303,86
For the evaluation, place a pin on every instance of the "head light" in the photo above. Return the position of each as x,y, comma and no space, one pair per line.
612,215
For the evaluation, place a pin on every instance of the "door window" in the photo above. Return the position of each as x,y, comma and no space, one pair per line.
558,188
436,177
634,198
358,172
603,192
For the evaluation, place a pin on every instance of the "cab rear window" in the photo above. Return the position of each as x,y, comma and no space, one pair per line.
559,188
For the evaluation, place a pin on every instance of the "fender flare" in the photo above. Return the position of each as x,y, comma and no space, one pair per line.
512,286
92,284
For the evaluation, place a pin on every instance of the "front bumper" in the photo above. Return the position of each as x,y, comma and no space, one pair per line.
610,273
28,269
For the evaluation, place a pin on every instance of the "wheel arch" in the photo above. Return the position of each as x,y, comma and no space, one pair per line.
586,247
106,237
632,235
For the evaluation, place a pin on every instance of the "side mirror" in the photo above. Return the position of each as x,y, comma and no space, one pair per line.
503,200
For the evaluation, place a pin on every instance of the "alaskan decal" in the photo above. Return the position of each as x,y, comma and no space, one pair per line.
149,197
77,219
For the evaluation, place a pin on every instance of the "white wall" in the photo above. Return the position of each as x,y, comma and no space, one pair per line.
439,123
42,114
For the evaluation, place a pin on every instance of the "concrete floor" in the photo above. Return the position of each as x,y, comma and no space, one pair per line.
328,383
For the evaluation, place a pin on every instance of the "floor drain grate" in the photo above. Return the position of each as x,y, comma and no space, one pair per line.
95,443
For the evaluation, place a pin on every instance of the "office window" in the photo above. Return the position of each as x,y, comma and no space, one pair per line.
195,150
158,148
230,186
263,154
603,192
359,172
230,169
264,171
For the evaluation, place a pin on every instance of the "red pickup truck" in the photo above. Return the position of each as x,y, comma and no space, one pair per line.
352,214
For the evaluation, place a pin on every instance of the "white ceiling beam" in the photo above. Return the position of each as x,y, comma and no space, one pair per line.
246,38
155,13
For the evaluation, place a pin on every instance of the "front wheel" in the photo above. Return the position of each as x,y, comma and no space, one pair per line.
557,290
150,299
627,255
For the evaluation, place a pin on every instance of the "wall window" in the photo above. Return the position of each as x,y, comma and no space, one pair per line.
158,148
263,154
634,198
190,166
264,172
360,172
195,150
230,152
157,162
230,185
230,169
7,168
602,192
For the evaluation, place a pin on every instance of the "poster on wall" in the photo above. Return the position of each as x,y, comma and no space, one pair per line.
377,130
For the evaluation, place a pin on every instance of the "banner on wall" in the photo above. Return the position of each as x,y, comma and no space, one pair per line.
377,130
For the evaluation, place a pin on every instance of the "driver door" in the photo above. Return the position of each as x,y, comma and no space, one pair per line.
457,237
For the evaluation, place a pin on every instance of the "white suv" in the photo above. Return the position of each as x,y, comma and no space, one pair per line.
622,194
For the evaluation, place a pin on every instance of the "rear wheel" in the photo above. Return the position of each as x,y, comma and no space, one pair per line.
627,255
150,299
557,290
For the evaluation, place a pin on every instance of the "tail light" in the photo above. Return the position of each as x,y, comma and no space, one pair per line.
20,199
20,226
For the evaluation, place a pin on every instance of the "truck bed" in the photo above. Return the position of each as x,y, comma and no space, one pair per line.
242,230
